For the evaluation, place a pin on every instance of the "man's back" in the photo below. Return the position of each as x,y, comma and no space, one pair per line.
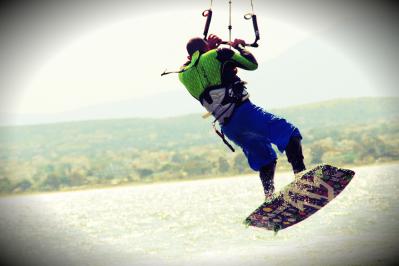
202,72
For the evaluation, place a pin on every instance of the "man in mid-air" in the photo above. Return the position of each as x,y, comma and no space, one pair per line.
210,76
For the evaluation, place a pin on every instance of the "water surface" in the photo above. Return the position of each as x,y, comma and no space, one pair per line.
200,223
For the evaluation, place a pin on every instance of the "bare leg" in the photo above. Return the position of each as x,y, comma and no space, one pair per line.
266,174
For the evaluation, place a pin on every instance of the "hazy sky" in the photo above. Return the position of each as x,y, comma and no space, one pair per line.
109,53
124,60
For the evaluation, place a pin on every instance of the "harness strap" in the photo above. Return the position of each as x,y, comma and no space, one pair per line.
221,135
170,72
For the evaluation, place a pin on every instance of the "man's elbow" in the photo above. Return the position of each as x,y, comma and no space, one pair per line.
253,66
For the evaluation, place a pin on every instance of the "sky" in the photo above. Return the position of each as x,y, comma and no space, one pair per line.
110,65
89,57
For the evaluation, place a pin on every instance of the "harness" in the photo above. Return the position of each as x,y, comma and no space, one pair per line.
221,101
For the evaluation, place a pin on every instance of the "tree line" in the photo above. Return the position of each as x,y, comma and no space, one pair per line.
59,169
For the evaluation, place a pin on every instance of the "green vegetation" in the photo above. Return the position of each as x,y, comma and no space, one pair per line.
82,154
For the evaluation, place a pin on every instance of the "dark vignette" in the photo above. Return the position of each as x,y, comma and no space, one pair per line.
370,34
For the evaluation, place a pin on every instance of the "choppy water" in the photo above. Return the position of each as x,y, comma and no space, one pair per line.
200,223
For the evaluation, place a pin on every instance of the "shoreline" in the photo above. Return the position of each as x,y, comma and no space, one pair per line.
110,186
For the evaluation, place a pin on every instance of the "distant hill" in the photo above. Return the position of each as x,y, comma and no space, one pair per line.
342,112
118,151
189,130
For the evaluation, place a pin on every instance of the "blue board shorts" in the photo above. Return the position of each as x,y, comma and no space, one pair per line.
254,130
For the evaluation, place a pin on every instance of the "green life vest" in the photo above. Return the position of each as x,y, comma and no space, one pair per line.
203,79
204,71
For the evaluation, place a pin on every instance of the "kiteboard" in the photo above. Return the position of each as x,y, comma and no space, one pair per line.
300,199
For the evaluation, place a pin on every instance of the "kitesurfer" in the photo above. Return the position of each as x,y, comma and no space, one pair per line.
210,76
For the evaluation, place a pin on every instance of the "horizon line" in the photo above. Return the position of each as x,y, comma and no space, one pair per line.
10,124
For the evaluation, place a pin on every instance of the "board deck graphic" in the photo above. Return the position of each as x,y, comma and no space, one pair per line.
301,198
